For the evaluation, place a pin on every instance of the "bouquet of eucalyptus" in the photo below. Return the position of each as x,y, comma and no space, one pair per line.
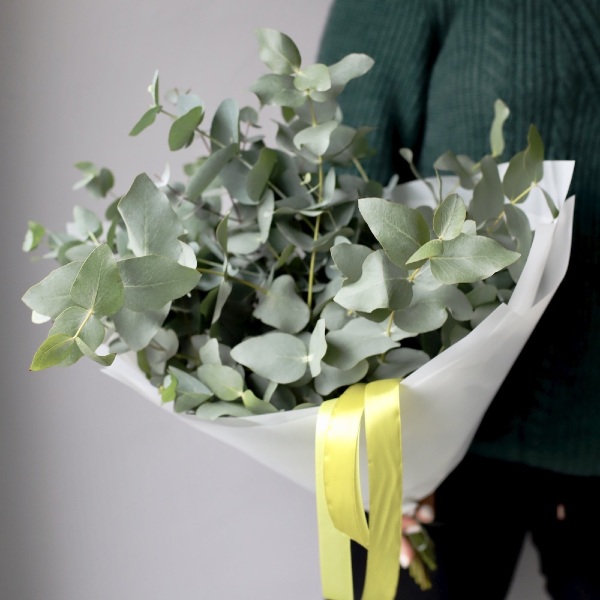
277,276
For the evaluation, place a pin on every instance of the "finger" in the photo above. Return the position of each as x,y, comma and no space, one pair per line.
407,553
425,512
409,522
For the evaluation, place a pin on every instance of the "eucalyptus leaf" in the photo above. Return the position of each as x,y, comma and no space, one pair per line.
501,113
58,349
224,382
428,310
449,217
244,242
450,162
357,340
87,223
519,228
428,250
186,102
223,294
317,347
348,68
525,168
282,307
35,234
331,378
265,215
315,77
483,294
215,410
278,90
349,259
105,360
234,176
209,170
400,362
225,126
151,281
488,195
52,294
152,225
316,139
145,120
256,405
382,285
136,329
469,258
98,286
79,322
400,230
259,174
209,352
279,357
161,348
190,391
278,51
153,88
183,129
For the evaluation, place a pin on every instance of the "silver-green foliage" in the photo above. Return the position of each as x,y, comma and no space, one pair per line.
275,276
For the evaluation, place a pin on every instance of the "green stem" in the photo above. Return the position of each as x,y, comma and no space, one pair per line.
87,318
313,254
388,331
206,137
512,202
360,169
249,284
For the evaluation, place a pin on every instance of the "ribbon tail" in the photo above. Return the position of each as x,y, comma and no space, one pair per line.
334,546
384,451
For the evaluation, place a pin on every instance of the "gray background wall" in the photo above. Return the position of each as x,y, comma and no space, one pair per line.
102,495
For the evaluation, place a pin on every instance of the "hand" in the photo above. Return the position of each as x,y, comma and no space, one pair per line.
423,514
417,553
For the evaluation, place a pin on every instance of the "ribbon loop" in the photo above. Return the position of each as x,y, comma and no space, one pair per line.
340,507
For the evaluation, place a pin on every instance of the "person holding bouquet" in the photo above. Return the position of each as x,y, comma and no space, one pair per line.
533,467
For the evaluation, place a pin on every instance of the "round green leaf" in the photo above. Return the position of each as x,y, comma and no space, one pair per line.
58,349
400,230
152,281
183,129
278,51
224,382
282,307
276,356
357,340
470,258
381,285
449,217
52,295
98,286
79,321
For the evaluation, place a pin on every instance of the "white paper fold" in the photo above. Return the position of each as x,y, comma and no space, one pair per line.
443,402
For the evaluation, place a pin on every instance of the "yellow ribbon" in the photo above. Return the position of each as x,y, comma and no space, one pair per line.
340,508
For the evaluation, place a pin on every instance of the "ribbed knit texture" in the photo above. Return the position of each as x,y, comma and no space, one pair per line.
439,67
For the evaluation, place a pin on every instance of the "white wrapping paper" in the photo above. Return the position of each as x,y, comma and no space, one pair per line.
443,402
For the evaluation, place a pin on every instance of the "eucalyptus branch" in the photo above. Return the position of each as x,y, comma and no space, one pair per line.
512,202
313,254
360,169
224,275
90,312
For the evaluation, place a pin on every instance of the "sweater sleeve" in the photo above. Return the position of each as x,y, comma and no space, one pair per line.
392,97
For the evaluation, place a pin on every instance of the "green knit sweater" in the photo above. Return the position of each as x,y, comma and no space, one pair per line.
439,67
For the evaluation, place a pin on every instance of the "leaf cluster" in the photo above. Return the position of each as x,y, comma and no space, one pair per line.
275,276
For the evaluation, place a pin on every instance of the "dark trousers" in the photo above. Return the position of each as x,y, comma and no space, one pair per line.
484,509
